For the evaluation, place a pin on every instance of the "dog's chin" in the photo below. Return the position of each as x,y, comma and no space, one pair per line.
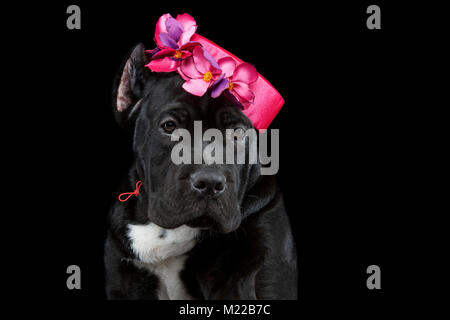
206,223
203,222
216,221
218,217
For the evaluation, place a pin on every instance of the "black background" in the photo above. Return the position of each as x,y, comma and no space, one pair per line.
342,133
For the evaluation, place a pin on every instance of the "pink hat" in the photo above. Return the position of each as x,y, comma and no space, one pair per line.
205,65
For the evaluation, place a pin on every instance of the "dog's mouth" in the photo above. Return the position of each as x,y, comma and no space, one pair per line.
203,222
214,218
217,215
208,218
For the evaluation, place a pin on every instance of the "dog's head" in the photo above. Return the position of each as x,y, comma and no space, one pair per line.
216,196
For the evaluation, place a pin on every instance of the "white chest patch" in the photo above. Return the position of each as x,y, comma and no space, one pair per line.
161,251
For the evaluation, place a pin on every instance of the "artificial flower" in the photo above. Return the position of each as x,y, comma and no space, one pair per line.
201,71
174,33
173,39
237,80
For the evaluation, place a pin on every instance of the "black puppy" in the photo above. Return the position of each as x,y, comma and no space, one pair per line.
194,231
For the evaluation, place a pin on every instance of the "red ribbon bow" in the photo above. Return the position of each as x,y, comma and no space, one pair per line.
129,194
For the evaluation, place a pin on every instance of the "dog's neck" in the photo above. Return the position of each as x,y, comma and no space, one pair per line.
163,253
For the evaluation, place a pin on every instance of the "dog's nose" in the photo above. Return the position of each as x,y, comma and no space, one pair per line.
208,182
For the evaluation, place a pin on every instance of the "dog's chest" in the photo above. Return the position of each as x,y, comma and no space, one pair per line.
162,252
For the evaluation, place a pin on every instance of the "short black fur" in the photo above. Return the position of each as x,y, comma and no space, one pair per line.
246,249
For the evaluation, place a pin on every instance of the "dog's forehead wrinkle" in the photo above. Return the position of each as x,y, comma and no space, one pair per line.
166,92
177,108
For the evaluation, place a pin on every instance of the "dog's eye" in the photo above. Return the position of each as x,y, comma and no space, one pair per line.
169,126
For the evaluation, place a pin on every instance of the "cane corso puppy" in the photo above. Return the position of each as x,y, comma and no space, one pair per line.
194,231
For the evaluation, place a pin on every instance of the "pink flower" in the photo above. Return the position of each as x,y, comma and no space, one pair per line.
236,80
174,33
201,71
173,39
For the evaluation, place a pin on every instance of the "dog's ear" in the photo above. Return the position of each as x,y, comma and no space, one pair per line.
129,86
